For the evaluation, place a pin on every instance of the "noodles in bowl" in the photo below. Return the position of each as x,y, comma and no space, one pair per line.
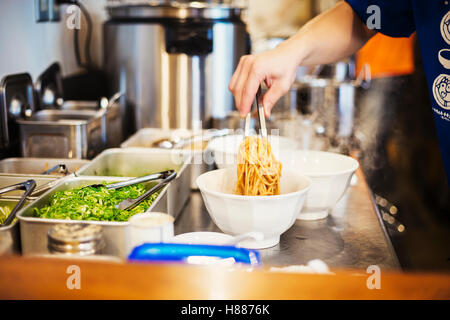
237,214
258,171
261,197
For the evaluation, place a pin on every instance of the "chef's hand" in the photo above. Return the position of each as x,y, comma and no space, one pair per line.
276,67
329,37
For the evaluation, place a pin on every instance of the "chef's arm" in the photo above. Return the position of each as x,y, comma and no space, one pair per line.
329,37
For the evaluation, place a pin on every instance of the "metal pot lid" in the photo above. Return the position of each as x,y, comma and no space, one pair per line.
138,9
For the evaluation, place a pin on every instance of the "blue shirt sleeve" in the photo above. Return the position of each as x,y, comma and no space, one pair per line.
397,19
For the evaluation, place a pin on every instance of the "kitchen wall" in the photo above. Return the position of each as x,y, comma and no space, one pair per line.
28,46
281,18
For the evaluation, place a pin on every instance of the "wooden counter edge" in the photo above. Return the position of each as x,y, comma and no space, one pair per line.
45,278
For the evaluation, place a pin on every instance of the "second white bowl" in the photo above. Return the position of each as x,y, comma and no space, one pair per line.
330,175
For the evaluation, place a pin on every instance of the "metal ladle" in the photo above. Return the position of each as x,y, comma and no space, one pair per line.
175,143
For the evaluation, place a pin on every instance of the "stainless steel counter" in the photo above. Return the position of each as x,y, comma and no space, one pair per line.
353,236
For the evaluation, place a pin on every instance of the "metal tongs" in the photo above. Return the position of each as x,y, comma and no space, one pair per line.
126,183
28,186
261,116
129,204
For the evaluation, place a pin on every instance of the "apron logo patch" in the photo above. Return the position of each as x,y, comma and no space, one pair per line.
445,27
441,91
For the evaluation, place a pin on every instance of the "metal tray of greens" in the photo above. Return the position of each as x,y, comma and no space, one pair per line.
136,162
36,219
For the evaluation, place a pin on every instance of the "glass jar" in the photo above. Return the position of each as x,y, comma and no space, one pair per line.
76,239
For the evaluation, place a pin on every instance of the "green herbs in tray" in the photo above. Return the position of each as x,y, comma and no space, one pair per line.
4,213
94,203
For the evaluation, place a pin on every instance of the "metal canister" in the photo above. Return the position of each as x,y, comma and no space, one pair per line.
76,239
173,60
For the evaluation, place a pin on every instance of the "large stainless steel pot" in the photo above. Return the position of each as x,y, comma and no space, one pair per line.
173,60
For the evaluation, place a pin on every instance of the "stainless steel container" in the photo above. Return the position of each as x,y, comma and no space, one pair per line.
145,138
136,162
174,60
111,119
63,134
33,231
36,166
10,235
10,179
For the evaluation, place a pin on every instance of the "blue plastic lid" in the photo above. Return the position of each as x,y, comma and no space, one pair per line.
172,252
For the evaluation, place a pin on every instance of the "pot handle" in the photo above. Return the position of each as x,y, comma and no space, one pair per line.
364,77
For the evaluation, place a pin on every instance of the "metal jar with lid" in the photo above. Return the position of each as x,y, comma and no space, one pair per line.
76,239
174,60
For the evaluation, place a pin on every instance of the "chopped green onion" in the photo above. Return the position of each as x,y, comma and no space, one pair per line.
94,204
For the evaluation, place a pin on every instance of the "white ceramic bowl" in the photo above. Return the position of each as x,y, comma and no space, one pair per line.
236,214
330,175
225,149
